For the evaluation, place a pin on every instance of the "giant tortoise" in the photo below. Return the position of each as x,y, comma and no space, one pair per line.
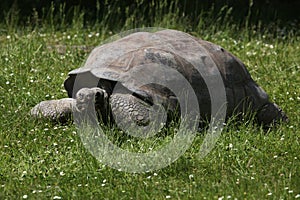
108,65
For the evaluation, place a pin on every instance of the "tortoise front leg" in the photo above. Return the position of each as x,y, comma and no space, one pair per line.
130,114
135,116
127,108
54,110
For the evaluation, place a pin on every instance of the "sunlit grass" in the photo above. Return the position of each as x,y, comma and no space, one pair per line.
40,160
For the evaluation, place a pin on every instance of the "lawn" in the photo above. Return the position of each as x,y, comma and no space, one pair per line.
42,160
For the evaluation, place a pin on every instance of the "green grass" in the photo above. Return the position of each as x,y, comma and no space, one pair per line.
40,160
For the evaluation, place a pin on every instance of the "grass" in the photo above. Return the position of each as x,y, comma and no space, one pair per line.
40,160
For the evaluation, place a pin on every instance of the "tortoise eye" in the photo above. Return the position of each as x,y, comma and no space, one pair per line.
80,96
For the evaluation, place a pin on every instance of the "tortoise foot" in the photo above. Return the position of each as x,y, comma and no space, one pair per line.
271,114
54,110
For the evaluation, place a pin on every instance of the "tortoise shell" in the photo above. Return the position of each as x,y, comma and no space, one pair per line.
123,61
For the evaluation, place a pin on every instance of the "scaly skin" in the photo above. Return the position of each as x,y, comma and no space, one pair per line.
54,110
126,107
